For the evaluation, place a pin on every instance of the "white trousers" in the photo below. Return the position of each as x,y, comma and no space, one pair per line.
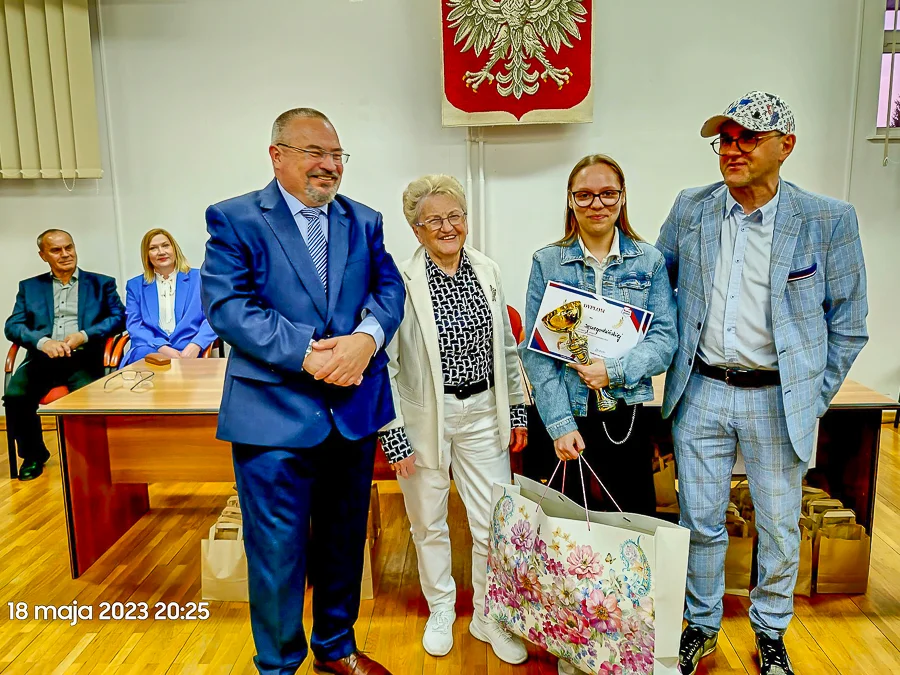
471,445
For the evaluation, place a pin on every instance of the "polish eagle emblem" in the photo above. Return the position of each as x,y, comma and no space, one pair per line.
520,32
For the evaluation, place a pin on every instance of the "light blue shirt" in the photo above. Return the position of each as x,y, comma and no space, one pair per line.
738,332
369,324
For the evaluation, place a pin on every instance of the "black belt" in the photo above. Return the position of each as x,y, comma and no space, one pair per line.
738,378
464,391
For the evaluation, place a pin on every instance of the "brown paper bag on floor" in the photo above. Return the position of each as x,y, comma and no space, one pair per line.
739,558
805,571
373,524
664,483
223,564
843,559
367,590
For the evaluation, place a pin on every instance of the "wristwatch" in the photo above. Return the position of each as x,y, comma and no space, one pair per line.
308,350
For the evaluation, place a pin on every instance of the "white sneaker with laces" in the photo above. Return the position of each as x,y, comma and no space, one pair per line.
438,637
507,647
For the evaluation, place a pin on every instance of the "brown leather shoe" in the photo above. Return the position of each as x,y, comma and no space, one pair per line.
356,663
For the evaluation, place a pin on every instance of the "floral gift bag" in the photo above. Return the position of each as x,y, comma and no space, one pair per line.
605,595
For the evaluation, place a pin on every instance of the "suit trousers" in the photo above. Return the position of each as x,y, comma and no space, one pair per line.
711,419
471,446
304,512
31,382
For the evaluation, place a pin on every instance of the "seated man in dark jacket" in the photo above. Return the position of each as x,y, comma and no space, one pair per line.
62,319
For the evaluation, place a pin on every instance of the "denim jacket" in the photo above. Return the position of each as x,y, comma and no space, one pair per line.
637,276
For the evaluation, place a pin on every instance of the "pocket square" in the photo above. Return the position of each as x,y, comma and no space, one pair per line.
805,273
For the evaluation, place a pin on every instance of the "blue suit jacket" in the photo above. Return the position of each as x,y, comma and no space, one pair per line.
262,295
818,281
142,317
100,311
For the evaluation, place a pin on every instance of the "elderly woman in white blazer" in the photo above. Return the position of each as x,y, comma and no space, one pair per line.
459,402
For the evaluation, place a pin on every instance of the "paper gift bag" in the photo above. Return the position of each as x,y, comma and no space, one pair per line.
223,564
230,514
664,483
805,571
739,557
740,497
843,559
367,588
606,595
373,524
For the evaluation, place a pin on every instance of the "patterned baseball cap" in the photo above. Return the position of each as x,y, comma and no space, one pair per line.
757,111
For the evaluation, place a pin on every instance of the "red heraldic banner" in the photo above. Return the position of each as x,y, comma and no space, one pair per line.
516,61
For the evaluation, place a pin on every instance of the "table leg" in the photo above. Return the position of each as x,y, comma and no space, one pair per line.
98,512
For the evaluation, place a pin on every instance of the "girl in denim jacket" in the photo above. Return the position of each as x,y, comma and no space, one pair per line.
601,253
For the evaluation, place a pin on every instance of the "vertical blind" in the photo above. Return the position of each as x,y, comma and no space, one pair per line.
48,112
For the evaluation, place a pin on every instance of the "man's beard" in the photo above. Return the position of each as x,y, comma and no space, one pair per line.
322,196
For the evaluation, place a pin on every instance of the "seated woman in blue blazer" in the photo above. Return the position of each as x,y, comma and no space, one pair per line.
162,307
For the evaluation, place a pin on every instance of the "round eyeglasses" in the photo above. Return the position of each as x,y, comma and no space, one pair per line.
746,143
435,223
585,198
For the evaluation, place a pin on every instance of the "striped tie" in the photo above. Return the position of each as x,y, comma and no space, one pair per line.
318,247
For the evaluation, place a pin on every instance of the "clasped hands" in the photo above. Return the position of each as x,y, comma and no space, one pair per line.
340,360
61,348
192,351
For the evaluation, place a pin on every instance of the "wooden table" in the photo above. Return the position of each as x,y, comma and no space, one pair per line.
113,443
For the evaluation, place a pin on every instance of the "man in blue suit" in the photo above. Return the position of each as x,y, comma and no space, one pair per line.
771,294
298,282
62,319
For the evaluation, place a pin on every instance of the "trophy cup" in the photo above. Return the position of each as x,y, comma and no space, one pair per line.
565,320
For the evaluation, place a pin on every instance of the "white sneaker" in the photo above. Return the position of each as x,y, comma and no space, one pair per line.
438,637
566,668
507,647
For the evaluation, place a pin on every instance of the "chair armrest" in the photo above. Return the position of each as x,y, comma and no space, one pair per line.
119,350
108,349
11,359
215,344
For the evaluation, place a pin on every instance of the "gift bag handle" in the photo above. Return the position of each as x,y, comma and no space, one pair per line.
581,460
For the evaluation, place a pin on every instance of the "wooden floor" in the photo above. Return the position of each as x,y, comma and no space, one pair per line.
158,560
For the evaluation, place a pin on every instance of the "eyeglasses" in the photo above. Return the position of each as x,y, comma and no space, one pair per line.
319,155
435,223
746,143
133,380
584,198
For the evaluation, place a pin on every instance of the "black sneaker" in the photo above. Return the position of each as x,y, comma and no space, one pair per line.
695,644
773,657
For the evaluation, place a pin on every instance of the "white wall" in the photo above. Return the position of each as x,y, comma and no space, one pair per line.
193,86
875,191
28,207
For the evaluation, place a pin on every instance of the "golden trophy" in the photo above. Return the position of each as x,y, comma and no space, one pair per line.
565,319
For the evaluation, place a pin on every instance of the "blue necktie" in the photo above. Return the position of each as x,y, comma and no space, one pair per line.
318,247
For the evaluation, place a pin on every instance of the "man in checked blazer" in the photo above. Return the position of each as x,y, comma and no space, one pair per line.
771,294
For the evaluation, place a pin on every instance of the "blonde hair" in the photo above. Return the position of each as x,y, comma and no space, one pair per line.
428,186
181,263
571,224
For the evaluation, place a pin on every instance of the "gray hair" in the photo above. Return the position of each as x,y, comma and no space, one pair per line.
427,186
40,239
289,116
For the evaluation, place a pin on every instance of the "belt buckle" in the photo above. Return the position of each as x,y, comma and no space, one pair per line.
728,373
462,393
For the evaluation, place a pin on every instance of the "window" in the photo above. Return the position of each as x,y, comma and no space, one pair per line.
889,110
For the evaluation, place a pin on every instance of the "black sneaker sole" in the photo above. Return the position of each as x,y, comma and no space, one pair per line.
703,655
